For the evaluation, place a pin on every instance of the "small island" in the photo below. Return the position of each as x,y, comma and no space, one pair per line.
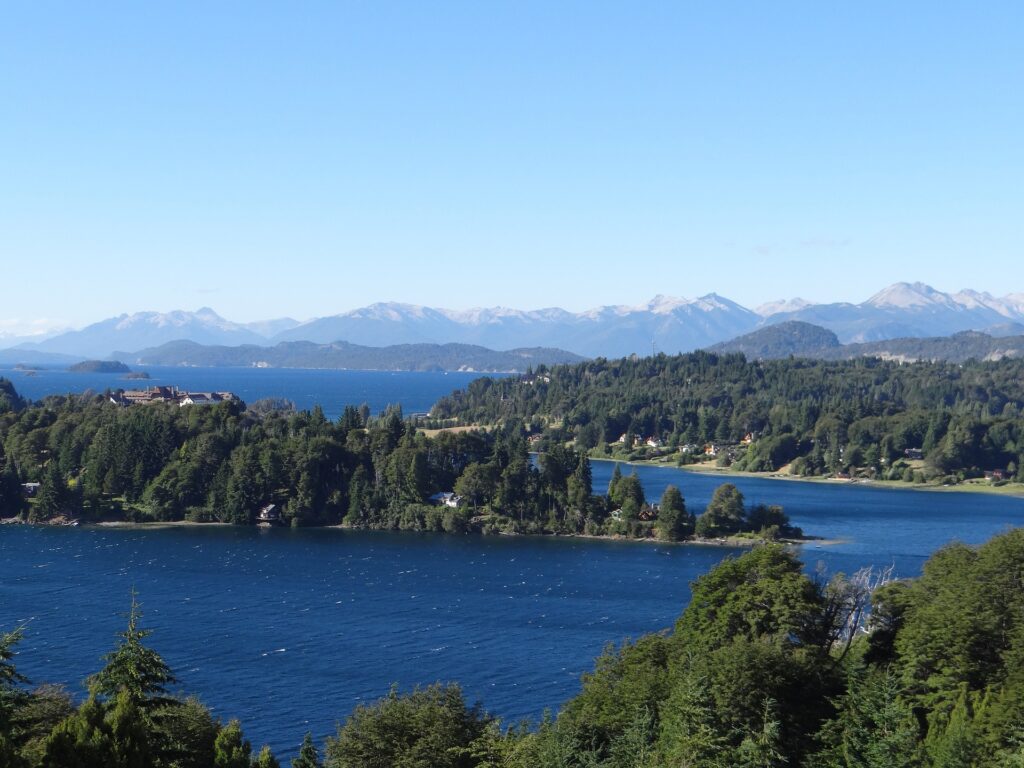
99,366
136,376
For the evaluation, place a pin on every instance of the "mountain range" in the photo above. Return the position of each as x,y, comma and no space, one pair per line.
799,339
664,324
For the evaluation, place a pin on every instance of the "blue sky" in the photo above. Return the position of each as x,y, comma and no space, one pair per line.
307,158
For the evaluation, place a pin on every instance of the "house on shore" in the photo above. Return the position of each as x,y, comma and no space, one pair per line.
269,515
447,499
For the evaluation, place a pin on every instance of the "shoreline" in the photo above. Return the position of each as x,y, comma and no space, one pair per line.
729,541
1016,491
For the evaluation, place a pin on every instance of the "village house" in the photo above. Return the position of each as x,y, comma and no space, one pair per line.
447,499
997,474
653,442
747,439
269,515
914,454
29,490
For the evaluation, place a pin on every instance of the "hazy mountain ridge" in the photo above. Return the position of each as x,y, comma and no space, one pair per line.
343,355
799,339
664,324
910,310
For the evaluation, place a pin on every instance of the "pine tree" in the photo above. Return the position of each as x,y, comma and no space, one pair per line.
613,484
308,756
231,749
81,741
134,668
53,494
674,523
129,734
265,759
11,501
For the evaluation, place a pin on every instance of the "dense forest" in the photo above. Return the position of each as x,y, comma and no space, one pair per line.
94,460
864,416
766,667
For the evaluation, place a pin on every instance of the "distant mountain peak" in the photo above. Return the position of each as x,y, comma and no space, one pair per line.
665,322
781,306
909,296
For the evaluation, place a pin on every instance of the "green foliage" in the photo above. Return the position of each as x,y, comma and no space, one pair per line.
625,682
825,417
231,749
961,619
766,667
874,728
674,522
265,759
724,514
429,728
308,756
133,668
762,595
11,501
54,498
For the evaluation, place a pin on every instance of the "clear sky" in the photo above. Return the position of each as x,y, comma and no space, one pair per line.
306,158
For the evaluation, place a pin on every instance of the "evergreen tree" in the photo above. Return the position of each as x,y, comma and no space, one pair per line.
81,741
724,514
613,484
52,499
674,522
231,748
130,733
11,694
11,500
265,759
133,668
308,756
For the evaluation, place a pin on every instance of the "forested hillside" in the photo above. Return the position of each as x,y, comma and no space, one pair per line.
95,460
766,667
824,417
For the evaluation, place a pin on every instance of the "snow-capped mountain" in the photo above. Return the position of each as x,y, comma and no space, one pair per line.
147,329
669,324
909,310
781,305
665,324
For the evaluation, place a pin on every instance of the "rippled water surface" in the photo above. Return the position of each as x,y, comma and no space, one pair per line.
288,630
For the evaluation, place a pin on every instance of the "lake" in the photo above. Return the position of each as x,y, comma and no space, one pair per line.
415,391
288,630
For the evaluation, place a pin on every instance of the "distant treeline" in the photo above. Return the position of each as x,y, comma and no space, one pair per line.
766,667
821,417
225,462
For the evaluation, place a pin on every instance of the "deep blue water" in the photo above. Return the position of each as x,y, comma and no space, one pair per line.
332,390
288,630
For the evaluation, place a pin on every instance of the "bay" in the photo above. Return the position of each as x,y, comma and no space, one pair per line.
332,390
290,629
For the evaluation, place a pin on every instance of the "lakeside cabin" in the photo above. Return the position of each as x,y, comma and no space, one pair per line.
269,515
447,499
